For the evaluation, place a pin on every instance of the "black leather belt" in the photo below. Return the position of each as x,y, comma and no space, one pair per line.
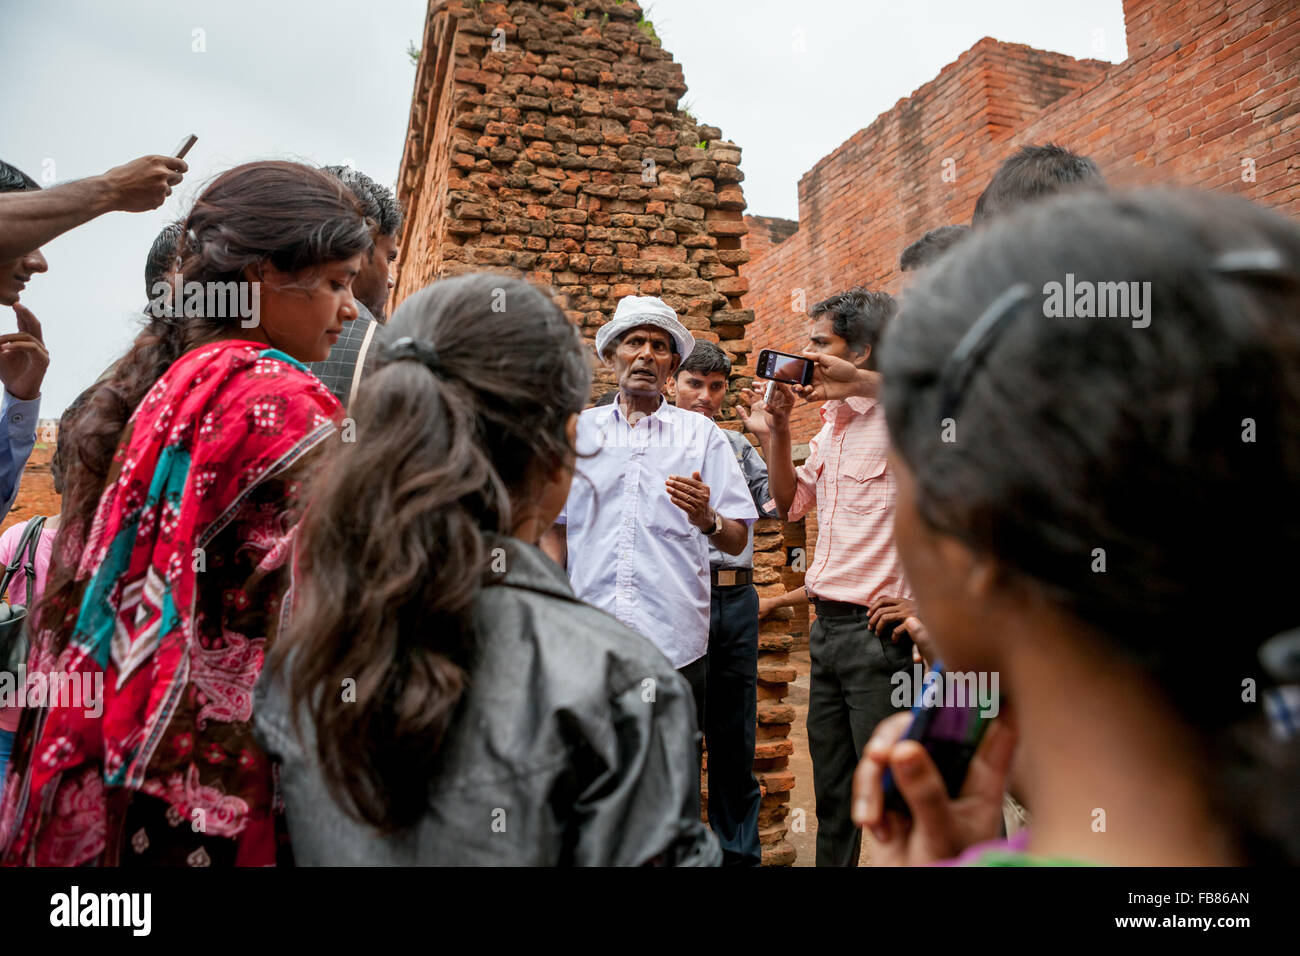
827,608
731,577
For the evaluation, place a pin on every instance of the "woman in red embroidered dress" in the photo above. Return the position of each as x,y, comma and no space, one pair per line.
171,556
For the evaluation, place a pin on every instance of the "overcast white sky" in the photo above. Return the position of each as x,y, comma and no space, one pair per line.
89,85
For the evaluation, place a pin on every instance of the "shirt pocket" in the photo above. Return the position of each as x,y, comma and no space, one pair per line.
866,490
662,517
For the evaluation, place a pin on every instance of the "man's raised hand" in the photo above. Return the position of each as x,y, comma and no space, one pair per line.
144,183
692,496
765,414
839,378
23,357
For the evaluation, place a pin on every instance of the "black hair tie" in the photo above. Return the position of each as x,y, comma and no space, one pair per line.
974,346
407,349
1265,265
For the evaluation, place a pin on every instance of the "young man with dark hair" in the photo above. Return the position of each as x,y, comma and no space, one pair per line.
855,574
856,318
1032,173
731,696
351,357
930,247
23,357
160,266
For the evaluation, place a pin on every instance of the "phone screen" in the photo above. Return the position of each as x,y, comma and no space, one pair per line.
783,367
949,733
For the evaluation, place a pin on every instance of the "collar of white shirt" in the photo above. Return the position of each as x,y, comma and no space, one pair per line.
657,413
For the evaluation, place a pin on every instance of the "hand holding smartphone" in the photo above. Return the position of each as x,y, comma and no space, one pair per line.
950,735
783,367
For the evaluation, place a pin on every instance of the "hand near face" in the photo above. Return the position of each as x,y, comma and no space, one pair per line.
752,411
838,378
941,826
23,356
692,496
767,414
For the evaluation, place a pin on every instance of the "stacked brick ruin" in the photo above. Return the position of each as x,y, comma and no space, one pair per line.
1209,97
546,141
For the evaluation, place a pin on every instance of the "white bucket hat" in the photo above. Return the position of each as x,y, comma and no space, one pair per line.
635,310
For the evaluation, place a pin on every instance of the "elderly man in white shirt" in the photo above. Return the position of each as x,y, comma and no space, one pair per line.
658,485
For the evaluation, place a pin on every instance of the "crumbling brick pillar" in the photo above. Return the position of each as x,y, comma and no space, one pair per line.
546,141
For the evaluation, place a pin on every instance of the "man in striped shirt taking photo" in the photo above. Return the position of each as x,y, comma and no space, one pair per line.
855,580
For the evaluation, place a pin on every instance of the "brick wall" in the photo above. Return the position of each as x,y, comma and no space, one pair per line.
764,232
545,141
1209,97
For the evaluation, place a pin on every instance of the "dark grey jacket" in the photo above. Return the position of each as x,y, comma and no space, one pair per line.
574,745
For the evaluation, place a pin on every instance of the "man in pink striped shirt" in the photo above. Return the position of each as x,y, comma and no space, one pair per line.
855,580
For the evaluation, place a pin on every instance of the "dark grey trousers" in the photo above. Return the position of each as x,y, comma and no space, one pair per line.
849,693
734,796
697,675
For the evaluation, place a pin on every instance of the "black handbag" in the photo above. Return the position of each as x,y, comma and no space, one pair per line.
13,617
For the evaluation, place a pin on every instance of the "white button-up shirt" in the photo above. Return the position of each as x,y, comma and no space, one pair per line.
634,553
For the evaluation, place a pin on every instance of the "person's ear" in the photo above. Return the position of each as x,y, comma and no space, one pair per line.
672,369
860,361
261,272
982,575
606,357
571,435
671,387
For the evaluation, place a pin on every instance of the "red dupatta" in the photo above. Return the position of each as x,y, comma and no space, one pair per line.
224,419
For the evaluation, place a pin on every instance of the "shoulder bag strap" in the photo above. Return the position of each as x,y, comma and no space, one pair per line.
32,538
33,527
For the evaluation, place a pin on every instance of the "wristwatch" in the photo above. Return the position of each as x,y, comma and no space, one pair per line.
717,525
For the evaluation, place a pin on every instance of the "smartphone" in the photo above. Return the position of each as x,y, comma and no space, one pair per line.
185,146
784,367
949,734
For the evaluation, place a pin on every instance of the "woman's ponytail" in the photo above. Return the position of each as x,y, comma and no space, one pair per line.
398,539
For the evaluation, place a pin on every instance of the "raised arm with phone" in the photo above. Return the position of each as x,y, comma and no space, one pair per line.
855,567
29,219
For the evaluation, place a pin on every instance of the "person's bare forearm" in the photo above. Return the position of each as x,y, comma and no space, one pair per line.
781,479
867,384
732,538
790,598
30,219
